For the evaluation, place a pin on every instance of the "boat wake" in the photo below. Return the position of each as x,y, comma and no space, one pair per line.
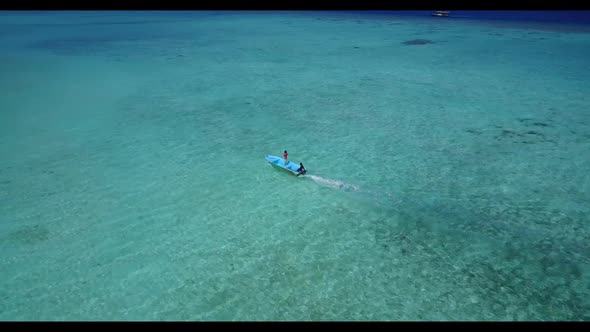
382,199
335,184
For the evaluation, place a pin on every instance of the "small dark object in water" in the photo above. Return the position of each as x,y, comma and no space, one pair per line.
473,131
507,132
357,47
418,42
511,133
541,124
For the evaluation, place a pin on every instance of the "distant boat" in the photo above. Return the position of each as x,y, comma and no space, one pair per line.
440,13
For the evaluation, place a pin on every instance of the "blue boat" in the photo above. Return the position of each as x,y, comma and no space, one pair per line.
279,163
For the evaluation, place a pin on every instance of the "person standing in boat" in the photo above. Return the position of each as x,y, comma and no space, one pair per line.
286,156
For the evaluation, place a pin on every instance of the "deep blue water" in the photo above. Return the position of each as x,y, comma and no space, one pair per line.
548,16
576,17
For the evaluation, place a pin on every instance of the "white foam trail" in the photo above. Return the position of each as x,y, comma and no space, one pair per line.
386,199
333,183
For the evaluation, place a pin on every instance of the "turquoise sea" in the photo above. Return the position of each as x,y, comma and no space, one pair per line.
448,167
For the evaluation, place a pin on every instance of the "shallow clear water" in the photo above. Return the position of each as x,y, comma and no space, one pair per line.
447,168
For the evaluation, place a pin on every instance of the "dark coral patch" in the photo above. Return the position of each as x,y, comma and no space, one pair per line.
30,234
473,131
418,42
